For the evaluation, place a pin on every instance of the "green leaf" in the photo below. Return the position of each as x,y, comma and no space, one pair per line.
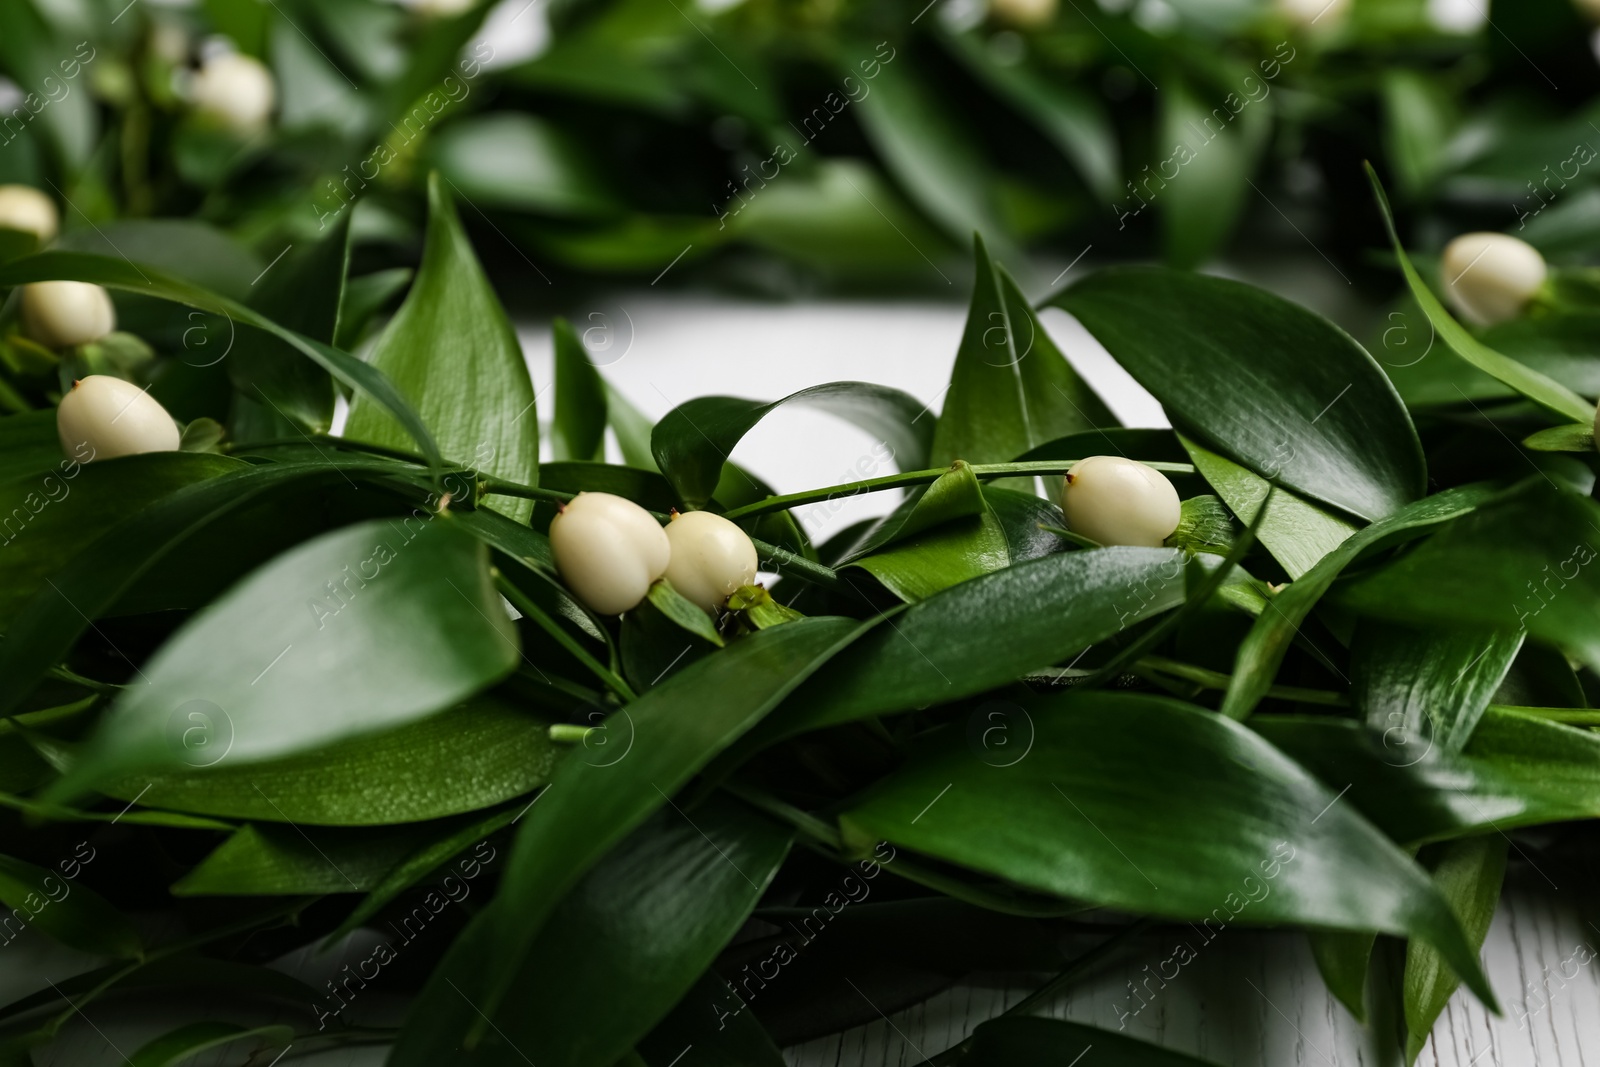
1560,344
1202,204
1418,123
578,429
494,751
1426,687
121,274
56,513
64,908
303,292
43,632
674,731
28,443
1265,382
511,159
737,1039
177,1046
1518,770
1537,387
1205,525
936,539
1235,832
986,632
1469,874
683,613
1264,647
1018,1040
1343,959
428,858
289,861
364,298
1297,532
1011,389
1524,560
695,439
1575,438
647,921
371,626
190,249
452,350
1070,117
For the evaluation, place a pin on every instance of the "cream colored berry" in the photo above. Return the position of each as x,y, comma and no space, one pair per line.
63,314
711,557
1116,501
1024,14
235,90
22,207
608,550
1490,277
105,417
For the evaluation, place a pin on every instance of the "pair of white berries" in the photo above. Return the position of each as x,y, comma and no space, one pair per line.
1491,277
55,314
610,551
1117,501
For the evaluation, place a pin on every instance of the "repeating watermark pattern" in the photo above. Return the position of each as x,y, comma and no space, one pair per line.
1146,591
54,91
200,732
871,463
1544,594
1398,337
1582,155
454,888
754,977
52,889
854,89
53,488
1141,993
1254,90
1000,733
1540,989
342,192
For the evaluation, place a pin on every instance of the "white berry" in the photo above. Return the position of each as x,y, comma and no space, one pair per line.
608,551
105,417
1023,14
63,314
22,207
1490,277
235,90
711,557
1116,501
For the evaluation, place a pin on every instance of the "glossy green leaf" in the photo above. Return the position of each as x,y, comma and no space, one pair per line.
1343,959
371,626
1263,649
1538,387
429,857
1023,1040
674,731
1559,344
1214,150
289,861
647,921
1522,561
177,1046
988,631
45,629
937,539
494,751
28,443
1469,874
451,349
1578,437
1011,389
304,292
63,908
1296,531
683,613
364,298
1265,382
1518,770
1421,688
368,381
695,439
53,514
187,248
1236,832
578,428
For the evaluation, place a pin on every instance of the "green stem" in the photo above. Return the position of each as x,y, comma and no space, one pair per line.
1210,679
498,487
907,478
808,570
68,675
565,733
1570,716
522,603
803,821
